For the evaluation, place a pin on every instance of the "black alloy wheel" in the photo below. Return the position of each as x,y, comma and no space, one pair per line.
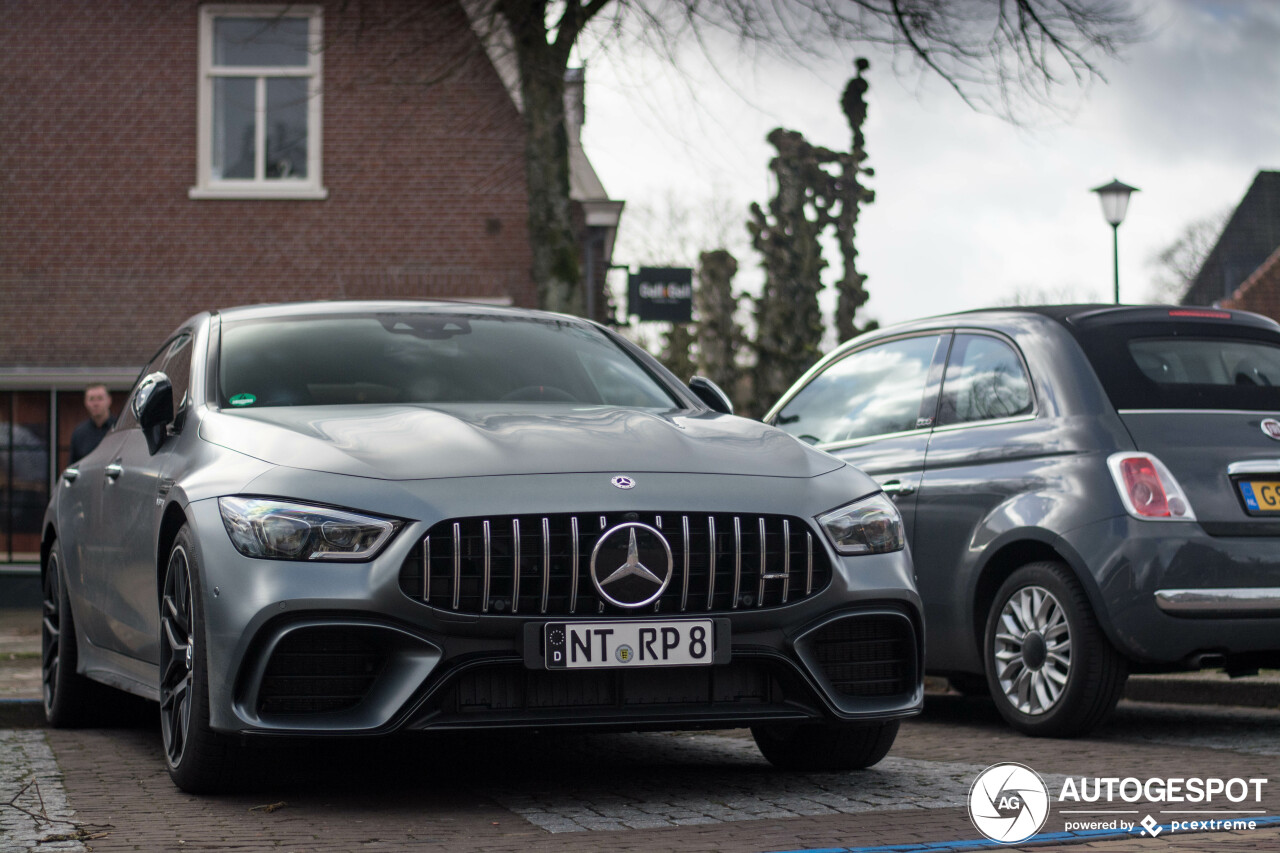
177,654
69,698
200,760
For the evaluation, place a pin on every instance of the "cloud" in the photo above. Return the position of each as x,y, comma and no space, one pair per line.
971,210
1204,87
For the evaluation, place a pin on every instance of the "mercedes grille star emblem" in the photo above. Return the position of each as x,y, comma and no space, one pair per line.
632,566
624,482
645,570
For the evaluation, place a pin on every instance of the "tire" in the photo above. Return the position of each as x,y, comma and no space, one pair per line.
825,746
200,760
70,699
1050,668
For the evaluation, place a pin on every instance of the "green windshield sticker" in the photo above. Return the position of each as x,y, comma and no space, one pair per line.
243,400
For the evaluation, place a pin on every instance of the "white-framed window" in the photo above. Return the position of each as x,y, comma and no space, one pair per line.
259,103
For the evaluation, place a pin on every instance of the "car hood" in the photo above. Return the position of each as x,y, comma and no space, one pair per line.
418,442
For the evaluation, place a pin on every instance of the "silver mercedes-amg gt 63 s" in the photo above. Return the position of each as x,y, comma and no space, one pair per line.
355,518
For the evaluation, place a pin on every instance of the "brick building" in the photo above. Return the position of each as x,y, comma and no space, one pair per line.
1246,260
1260,292
1248,240
158,158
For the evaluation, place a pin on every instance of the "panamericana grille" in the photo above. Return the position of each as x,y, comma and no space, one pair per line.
867,655
320,670
540,564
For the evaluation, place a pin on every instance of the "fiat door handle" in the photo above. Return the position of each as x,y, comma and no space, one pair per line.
114,470
897,487
70,475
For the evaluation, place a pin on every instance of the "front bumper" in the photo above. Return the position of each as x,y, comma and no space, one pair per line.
343,649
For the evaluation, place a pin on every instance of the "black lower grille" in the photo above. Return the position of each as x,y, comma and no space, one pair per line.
320,670
867,655
503,689
541,565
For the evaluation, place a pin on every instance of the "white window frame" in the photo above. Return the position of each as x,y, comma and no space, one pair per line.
258,188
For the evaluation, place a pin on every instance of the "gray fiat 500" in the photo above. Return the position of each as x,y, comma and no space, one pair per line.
1087,491
362,518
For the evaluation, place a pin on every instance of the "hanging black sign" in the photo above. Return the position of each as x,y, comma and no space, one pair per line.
661,293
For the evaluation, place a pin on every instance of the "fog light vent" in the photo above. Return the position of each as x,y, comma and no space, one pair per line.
319,670
868,655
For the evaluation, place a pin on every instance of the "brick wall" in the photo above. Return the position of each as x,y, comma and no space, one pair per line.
1260,292
101,250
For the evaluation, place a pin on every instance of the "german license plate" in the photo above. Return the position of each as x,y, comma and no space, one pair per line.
1261,495
615,645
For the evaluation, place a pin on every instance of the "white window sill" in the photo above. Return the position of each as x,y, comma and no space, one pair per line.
285,193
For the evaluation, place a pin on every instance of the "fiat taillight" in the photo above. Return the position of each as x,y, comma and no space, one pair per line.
1148,489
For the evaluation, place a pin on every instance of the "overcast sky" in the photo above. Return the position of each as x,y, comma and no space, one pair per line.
970,210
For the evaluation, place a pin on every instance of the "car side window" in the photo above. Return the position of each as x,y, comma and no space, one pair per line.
985,380
873,391
177,366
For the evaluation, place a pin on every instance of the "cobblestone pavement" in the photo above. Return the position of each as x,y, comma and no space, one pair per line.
1208,727
730,789
634,792
34,814
106,789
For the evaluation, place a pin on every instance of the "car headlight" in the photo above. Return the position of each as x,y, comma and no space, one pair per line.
869,526
279,530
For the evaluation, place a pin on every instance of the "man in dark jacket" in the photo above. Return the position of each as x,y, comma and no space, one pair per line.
86,436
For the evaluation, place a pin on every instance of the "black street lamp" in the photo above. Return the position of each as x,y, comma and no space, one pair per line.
1115,201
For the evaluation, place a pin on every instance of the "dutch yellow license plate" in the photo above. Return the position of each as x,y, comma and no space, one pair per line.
1261,495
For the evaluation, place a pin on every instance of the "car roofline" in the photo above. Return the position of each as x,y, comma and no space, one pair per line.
269,310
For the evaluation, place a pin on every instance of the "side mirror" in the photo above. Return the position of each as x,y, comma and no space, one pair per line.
153,408
709,392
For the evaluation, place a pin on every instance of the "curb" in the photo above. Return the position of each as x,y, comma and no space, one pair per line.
1249,692
21,714
1202,688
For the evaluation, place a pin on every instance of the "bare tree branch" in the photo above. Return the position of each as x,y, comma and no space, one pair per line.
1177,264
996,55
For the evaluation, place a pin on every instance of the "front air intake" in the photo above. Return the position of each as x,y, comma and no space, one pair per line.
321,670
867,655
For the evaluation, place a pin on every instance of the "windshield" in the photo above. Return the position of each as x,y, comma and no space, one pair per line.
421,357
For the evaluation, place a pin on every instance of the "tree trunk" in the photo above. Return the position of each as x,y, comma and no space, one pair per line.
720,337
788,318
852,195
556,266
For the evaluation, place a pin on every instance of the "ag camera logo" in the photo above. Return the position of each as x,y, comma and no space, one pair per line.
1008,802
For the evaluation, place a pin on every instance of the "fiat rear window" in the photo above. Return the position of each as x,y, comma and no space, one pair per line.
1177,370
